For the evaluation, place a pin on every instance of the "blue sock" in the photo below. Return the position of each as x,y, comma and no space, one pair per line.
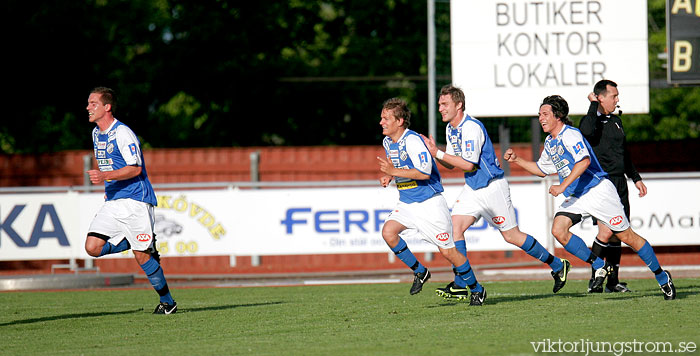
464,276
157,279
536,250
578,248
461,246
646,253
108,248
406,256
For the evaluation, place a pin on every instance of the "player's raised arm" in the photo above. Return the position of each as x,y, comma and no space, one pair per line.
511,157
439,156
387,168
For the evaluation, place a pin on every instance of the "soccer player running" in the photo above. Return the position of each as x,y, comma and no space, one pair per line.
126,219
603,130
486,192
421,210
587,190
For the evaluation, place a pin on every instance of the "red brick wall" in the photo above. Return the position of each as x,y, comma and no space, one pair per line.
184,165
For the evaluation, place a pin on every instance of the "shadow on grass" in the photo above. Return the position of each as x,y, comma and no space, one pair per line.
224,307
90,315
495,299
69,316
682,292
686,291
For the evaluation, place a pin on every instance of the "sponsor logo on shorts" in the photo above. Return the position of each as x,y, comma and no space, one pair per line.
616,220
442,237
498,220
143,237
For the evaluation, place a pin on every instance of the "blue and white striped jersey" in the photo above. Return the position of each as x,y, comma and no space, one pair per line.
562,153
470,141
116,148
410,152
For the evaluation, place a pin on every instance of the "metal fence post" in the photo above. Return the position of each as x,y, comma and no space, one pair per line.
87,165
536,130
255,166
255,177
504,142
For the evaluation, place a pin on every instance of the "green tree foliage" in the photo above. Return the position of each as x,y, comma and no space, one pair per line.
232,73
221,73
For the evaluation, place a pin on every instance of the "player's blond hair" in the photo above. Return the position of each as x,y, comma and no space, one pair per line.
400,110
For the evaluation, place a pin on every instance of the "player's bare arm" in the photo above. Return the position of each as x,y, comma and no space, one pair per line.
432,148
430,143
385,180
459,163
576,172
446,159
511,157
128,172
387,168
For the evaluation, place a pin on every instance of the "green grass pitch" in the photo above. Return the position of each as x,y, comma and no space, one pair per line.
370,319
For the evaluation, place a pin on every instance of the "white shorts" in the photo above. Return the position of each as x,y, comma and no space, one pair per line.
125,218
429,219
601,202
492,202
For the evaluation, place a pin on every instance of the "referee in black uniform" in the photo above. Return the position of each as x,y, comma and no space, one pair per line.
604,132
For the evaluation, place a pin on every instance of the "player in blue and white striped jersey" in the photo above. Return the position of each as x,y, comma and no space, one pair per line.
126,219
422,210
588,193
486,192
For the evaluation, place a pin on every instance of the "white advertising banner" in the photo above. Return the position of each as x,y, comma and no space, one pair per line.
312,221
519,51
348,220
39,226
668,215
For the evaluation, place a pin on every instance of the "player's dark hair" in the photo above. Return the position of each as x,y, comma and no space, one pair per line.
107,96
560,108
602,86
400,110
455,93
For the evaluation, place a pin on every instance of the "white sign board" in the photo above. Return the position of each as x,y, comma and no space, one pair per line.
668,215
313,221
509,55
